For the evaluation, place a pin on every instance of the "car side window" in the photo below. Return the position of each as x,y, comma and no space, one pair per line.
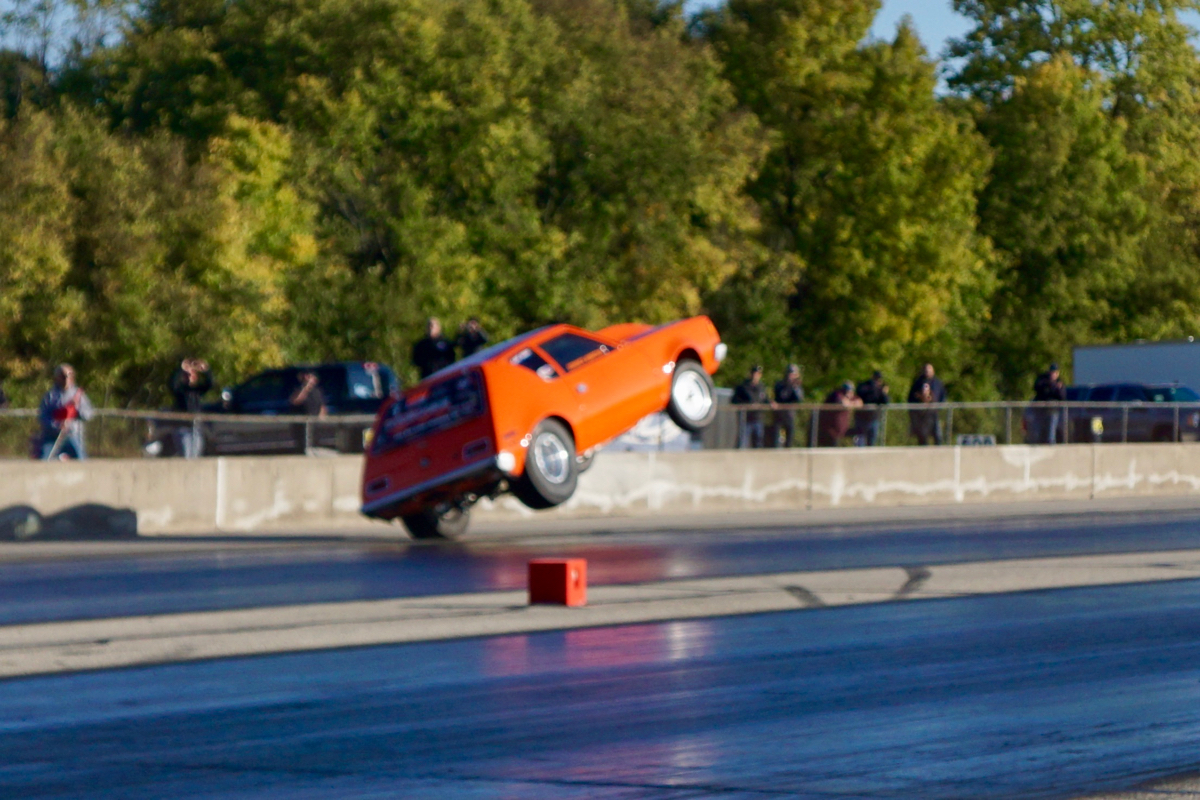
1102,394
1185,395
1129,394
530,360
265,391
571,350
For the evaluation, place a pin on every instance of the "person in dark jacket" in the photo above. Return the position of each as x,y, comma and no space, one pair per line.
471,338
751,392
834,425
872,392
926,388
1048,388
788,390
434,352
188,386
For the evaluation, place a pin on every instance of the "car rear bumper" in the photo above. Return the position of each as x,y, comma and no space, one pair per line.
385,507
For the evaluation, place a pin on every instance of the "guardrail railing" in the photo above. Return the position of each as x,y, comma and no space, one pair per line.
129,433
998,422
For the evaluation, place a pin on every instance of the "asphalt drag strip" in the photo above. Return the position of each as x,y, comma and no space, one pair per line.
57,647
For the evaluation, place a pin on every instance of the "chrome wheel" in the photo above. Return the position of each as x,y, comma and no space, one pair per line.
692,395
552,457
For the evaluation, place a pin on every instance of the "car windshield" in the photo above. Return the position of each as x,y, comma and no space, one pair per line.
427,410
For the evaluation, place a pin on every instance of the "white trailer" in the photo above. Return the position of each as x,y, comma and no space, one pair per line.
1141,362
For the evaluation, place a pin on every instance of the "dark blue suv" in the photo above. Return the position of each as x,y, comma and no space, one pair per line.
348,388
1146,418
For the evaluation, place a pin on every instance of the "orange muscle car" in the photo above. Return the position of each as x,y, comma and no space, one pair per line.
525,416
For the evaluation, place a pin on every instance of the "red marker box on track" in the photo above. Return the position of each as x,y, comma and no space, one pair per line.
558,581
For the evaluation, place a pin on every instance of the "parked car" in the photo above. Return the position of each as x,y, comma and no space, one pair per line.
1149,419
525,415
348,388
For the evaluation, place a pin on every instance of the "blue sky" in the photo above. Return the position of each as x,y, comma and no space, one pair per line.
934,20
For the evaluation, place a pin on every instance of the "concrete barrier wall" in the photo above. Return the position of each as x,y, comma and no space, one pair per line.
298,493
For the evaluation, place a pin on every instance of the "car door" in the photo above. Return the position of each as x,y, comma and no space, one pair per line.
1140,419
611,384
266,395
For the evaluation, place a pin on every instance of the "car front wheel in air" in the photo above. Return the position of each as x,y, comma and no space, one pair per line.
551,471
693,403
438,523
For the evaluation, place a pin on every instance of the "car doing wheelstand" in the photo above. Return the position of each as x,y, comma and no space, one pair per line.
526,415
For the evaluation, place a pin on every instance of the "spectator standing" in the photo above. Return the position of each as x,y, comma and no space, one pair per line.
62,413
1048,388
751,392
926,425
308,398
872,392
188,386
835,424
309,401
788,390
471,338
434,352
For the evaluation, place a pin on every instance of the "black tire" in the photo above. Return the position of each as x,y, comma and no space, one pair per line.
430,523
693,403
551,471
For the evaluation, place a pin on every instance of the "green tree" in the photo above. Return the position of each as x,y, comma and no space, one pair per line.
1138,64
870,186
1066,209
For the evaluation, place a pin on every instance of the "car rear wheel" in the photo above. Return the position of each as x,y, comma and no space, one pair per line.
432,523
693,404
551,471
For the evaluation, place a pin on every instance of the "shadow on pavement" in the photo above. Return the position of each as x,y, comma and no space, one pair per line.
85,522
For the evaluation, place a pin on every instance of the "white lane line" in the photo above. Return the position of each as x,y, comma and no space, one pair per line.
130,641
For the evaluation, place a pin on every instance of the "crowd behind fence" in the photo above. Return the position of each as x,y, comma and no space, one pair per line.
116,433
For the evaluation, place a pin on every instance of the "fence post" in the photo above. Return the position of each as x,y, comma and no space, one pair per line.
950,425
883,427
812,428
307,436
1064,419
1125,423
1008,424
1175,431
194,450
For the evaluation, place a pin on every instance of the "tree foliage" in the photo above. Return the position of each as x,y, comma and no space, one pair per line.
291,180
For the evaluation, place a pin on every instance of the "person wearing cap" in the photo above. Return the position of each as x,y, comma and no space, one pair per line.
788,390
833,425
926,425
1048,388
751,392
874,393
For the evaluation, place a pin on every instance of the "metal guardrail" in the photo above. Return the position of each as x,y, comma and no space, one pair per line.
113,432
124,432
1006,422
